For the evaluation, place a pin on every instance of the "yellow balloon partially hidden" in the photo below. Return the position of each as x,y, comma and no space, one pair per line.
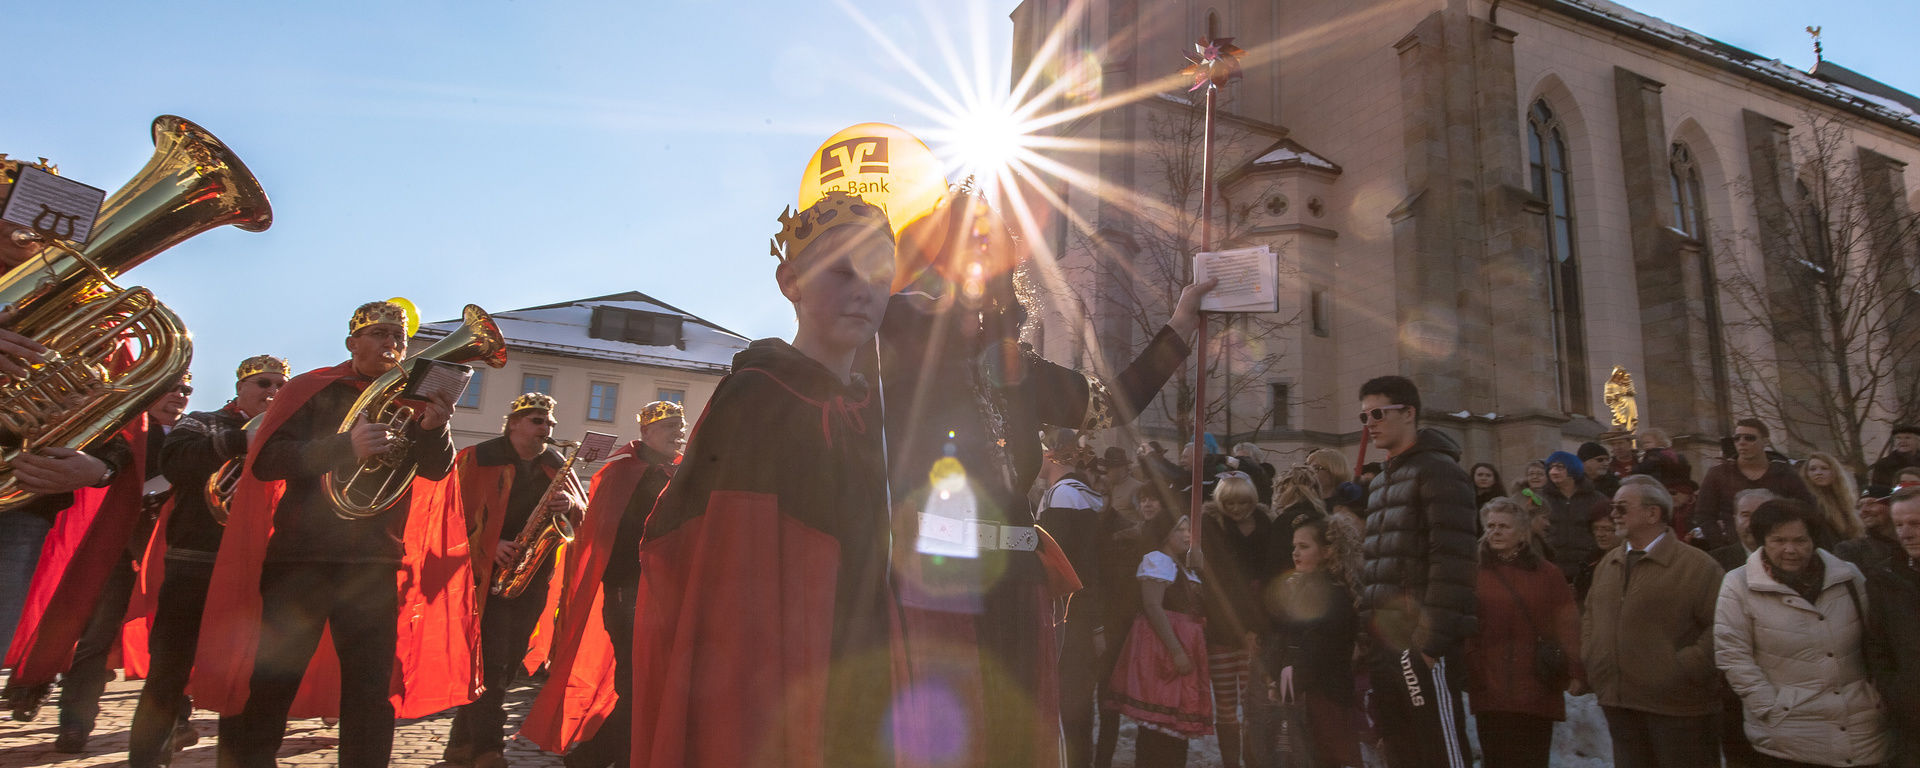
413,314
883,164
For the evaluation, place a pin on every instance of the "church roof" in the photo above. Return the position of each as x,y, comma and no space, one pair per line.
1850,91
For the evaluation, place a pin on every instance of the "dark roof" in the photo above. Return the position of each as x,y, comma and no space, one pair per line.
1839,75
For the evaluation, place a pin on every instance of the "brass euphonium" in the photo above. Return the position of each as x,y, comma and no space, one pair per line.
378,482
220,484
65,298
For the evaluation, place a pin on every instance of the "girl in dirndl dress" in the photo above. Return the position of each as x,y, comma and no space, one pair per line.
1161,679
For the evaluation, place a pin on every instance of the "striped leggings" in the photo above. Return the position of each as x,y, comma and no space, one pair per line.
1228,669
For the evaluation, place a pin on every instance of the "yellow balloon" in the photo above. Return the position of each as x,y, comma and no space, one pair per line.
413,314
883,164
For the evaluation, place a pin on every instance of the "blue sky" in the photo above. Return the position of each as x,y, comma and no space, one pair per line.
511,154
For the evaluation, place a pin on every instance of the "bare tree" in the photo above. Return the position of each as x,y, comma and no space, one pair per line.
1138,260
1827,339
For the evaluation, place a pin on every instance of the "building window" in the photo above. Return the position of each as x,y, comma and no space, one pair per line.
471,397
651,329
1690,216
535,382
1685,178
1815,246
1282,405
603,400
673,396
1551,181
1320,312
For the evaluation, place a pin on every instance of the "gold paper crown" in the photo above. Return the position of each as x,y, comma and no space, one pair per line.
259,364
10,172
836,210
375,313
186,377
661,410
532,401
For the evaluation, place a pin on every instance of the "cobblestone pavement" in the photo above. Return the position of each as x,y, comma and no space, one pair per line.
309,742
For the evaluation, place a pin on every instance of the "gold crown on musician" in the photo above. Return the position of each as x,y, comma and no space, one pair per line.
661,410
259,364
375,313
10,172
532,401
836,210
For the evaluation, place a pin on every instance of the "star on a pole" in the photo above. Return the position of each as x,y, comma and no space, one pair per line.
1214,62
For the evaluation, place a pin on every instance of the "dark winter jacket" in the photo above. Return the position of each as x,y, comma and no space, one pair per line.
1417,587
1570,537
1893,652
1237,567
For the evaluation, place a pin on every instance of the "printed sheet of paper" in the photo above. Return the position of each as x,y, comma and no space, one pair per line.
428,377
1249,280
60,207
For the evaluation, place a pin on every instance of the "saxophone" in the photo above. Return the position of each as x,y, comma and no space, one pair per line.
546,530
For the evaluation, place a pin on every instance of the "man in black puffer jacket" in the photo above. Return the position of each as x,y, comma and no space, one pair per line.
1416,590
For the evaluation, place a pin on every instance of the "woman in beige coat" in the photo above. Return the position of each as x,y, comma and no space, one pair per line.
1787,632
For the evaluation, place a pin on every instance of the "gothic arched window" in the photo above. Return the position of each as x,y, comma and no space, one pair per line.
1687,199
1551,181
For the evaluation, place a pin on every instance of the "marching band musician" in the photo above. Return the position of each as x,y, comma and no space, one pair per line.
589,697
54,473
501,481
190,536
291,566
86,677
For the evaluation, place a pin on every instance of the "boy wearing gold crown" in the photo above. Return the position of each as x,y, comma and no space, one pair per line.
500,482
393,591
182,555
762,632
591,700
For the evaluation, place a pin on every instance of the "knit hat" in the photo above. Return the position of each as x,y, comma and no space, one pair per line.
1592,451
1575,466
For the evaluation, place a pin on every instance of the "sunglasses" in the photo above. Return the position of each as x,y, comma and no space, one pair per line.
268,383
1746,438
184,389
384,335
540,421
1367,417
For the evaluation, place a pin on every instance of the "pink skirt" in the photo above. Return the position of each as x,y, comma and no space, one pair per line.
1146,687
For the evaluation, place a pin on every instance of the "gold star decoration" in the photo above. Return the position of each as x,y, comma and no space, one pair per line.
1214,62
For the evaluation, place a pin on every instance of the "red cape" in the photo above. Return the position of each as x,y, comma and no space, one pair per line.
87,540
437,665
579,691
734,625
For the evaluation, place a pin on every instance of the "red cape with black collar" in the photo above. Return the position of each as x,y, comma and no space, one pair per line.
484,491
579,691
764,617
436,666
87,540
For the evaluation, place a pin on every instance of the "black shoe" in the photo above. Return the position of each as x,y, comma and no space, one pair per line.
72,738
184,735
461,754
25,700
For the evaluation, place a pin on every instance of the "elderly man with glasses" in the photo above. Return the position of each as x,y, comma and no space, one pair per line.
1714,508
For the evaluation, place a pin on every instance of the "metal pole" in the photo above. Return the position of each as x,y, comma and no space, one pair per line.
1197,496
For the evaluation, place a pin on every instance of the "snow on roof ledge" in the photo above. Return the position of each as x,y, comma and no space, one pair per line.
1287,153
1847,96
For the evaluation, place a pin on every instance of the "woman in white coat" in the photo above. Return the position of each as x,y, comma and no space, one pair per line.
1787,632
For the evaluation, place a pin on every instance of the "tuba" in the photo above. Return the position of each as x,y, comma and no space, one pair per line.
545,530
220,484
112,351
374,486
